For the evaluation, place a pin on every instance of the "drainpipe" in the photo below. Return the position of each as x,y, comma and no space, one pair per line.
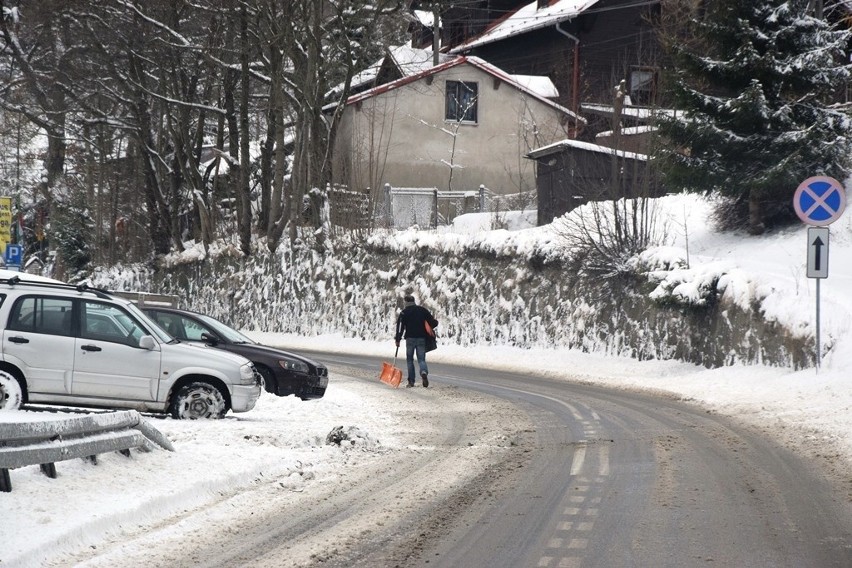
436,35
575,79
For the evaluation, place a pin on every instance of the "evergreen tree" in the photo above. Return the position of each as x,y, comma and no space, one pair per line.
753,82
72,236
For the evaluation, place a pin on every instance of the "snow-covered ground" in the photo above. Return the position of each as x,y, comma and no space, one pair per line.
285,439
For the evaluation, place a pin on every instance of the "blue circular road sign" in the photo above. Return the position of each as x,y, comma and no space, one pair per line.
820,200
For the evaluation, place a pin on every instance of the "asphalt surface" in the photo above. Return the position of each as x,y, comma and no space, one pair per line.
610,478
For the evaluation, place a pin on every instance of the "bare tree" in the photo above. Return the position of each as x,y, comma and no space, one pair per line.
147,91
35,56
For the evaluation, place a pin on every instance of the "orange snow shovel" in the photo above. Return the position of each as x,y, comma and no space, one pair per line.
390,374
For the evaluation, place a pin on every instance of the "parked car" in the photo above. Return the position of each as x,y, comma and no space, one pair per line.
284,373
76,345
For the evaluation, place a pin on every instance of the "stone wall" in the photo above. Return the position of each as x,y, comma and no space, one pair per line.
480,298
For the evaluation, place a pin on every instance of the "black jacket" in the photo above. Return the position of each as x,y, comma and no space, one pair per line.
412,322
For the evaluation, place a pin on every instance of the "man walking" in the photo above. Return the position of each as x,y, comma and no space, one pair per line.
411,324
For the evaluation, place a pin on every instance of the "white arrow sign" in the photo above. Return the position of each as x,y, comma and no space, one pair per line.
817,252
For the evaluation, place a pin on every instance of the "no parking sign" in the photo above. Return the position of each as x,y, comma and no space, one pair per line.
820,200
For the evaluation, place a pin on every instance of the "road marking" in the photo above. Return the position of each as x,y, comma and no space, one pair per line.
603,453
571,547
579,458
574,411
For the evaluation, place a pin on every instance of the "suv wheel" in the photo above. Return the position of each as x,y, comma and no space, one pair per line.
198,400
11,396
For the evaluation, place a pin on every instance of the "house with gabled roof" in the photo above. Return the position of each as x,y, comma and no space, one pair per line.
604,58
456,126
586,47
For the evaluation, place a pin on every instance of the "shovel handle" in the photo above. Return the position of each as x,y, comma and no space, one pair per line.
395,354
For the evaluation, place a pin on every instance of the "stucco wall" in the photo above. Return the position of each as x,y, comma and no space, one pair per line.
400,137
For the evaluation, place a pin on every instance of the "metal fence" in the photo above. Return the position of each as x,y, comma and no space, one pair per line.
424,207
44,443
405,207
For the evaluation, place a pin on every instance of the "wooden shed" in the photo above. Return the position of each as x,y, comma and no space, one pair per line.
570,173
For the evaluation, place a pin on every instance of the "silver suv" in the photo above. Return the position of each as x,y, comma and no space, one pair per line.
81,346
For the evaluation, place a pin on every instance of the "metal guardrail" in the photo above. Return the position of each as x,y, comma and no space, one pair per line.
44,443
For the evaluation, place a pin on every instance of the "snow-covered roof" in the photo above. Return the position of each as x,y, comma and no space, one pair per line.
527,19
587,146
629,131
640,113
409,60
425,17
414,61
512,80
538,83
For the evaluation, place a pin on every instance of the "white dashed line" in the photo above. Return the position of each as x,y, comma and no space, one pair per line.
603,453
579,458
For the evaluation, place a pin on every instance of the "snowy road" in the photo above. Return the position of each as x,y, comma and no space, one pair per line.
622,479
500,469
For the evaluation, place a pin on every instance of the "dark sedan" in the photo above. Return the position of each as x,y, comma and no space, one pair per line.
284,373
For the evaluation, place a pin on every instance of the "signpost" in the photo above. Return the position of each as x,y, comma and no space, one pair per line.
14,256
819,201
817,252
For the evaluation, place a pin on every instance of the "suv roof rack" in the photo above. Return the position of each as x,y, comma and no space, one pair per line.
82,287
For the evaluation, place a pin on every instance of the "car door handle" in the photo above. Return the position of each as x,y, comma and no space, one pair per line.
90,348
19,340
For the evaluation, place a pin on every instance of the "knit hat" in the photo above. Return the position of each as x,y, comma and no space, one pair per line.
409,300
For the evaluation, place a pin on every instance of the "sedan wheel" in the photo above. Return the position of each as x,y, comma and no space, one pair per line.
11,396
198,400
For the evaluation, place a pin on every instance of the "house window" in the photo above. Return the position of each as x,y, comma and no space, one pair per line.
643,86
461,101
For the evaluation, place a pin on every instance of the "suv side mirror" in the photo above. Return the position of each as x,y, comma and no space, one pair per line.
210,339
147,342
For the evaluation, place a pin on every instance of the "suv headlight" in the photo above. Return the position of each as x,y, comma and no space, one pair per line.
295,366
247,374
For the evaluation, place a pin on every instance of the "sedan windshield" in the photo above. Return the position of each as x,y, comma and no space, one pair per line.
232,335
